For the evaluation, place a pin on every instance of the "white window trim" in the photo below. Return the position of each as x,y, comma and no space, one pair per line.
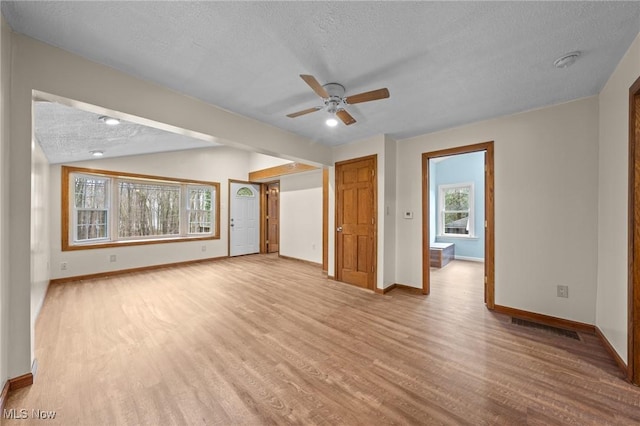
184,213
470,223
74,211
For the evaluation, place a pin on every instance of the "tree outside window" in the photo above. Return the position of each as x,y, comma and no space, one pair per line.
107,208
456,209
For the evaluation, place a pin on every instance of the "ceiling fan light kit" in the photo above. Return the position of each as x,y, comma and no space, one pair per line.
334,100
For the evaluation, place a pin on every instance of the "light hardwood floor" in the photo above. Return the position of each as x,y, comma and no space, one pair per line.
263,340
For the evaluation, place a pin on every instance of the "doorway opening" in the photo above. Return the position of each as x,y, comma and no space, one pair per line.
270,241
448,209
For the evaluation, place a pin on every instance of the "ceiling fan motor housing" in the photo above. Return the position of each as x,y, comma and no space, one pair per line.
336,94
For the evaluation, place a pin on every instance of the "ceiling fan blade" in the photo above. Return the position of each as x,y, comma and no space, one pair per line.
303,112
313,83
367,96
345,117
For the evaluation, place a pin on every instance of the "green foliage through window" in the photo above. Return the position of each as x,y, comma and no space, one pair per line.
113,208
456,209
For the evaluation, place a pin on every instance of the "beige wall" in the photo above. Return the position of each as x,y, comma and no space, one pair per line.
260,161
5,87
611,308
40,233
389,215
546,172
301,216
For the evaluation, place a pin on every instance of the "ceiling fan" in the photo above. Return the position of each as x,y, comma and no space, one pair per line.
334,100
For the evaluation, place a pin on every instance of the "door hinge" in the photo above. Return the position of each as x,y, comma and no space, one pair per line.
485,279
486,224
267,216
373,173
373,221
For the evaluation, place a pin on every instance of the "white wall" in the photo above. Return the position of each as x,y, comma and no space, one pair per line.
210,164
259,161
546,172
5,83
40,234
611,308
301,216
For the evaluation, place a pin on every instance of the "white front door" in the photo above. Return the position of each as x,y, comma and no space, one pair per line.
244,218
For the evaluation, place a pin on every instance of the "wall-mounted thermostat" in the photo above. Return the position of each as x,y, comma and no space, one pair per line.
408,215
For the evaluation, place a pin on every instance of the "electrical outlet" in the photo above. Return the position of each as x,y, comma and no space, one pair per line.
563,291
112,258
204,248
63,266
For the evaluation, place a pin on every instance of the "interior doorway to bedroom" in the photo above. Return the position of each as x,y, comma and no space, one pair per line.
458,216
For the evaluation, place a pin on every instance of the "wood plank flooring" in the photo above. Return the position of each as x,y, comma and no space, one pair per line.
262,340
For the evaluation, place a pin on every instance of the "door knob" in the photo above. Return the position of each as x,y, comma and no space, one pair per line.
339,229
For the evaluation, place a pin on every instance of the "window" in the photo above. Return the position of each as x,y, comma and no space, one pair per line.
107,209
90,207
244,192
200,211
456,210
148,209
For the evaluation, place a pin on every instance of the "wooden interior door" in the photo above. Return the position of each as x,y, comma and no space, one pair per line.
273,217
356,222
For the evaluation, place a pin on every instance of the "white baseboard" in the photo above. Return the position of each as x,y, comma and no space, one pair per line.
470,259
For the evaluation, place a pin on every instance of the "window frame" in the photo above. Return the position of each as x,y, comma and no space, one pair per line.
68,242
74,210
442,211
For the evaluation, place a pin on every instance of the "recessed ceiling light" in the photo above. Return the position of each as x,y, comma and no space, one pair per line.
109,120
97,153
567,60
331,122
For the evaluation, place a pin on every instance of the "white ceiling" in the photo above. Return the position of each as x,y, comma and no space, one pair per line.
68,134
445,63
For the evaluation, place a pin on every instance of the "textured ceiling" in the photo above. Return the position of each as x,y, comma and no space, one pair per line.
67,134
445,63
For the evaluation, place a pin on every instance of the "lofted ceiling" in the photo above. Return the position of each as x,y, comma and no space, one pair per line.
444,63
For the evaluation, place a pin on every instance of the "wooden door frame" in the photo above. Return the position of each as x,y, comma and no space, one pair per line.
373,157
633,232
230,181
325,219
489,216
264,209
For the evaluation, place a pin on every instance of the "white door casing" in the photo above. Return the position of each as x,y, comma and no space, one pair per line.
244,219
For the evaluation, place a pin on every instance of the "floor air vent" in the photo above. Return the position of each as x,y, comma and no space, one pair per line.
547,328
